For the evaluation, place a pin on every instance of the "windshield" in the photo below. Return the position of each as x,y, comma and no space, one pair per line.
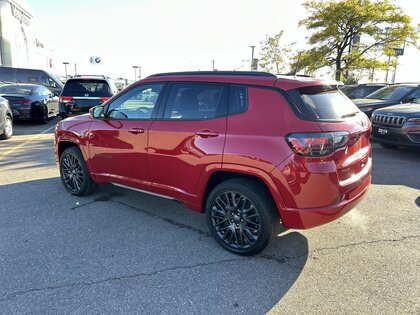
323,103
391,93
15,89
87,88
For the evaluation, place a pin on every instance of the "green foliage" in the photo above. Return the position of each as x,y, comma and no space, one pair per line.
352,34
274,56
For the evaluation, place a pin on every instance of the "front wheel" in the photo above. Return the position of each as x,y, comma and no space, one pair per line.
74,173
44,115
241,216
8,129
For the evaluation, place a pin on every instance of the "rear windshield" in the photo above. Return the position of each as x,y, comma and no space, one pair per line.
391,93
322,102
15,89
87,88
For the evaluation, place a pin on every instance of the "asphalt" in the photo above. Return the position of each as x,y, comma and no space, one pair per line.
119,251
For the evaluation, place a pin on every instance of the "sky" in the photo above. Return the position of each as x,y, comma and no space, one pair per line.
177,35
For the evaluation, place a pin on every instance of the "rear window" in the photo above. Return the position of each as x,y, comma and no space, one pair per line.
9,89
322,103
87,88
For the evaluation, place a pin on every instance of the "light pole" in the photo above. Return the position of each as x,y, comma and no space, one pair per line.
252,55
213,64
75,69
135,72
65,63
139,72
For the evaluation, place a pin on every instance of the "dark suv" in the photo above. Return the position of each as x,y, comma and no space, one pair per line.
82,92
251,150
387,96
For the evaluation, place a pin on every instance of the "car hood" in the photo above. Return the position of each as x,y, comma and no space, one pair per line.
365,102
404,109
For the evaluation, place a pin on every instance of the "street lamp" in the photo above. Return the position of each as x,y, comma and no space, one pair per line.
75,69
135,72
252,56
65,63
213,64
139,72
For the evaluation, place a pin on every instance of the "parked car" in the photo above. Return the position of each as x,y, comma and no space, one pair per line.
30,101
32,76
6,120
82,92
251,150
387,96
360,90
397,125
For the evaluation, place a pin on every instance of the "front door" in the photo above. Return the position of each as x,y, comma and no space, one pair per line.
118,142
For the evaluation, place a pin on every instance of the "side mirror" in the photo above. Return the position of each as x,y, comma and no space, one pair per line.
97,112
411,100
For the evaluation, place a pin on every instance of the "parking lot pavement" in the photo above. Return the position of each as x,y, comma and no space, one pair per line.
126,252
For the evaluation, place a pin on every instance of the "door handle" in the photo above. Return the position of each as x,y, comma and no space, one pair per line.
207,133
136,130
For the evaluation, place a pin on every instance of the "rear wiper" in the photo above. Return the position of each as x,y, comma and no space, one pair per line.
349,115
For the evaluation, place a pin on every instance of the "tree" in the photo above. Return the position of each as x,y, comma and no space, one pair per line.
343,32
274,56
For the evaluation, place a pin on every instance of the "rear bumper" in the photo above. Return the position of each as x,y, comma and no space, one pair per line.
311,217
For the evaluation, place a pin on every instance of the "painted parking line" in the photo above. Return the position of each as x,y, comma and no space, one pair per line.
14,149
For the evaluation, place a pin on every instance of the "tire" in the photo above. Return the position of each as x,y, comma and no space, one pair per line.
44,117
388,146
244,223
8,128
74,173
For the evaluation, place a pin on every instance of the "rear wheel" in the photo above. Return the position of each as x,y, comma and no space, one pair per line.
241,216
8,129
74,173
44,115
388,146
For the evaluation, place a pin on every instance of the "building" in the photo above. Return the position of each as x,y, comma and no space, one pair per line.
19,47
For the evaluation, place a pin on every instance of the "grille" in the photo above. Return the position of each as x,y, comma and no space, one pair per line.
388,120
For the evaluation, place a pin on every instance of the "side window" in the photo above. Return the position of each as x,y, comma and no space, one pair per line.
137,103
195,101
415,96
32,80
238,99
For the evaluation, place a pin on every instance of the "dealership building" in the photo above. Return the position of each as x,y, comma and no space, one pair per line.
19,47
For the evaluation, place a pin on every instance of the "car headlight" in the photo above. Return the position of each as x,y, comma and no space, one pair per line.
415,120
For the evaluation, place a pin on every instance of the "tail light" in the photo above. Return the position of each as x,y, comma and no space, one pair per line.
103,99
26,102
317,144
65,99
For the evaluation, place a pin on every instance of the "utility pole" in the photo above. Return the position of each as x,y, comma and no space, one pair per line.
252,55
65,63
135,72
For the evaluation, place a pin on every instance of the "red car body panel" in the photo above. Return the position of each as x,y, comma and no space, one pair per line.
178,158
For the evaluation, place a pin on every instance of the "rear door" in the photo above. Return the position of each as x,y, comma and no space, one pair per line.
118,142
50,100
188,136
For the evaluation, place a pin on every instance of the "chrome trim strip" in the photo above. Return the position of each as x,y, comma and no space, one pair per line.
143,191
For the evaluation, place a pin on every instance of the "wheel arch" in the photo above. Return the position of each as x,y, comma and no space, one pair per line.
235,171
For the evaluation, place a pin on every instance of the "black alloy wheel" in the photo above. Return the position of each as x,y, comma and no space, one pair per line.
74,173
44,115
241,216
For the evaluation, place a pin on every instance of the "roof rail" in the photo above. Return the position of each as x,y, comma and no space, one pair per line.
89,75
418,83
291,74
231,73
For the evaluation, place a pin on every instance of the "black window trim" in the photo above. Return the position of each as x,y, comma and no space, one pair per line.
155,109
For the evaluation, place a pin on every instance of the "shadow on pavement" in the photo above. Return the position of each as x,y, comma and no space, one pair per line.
121,251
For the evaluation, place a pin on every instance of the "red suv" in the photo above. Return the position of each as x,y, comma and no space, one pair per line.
249,149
